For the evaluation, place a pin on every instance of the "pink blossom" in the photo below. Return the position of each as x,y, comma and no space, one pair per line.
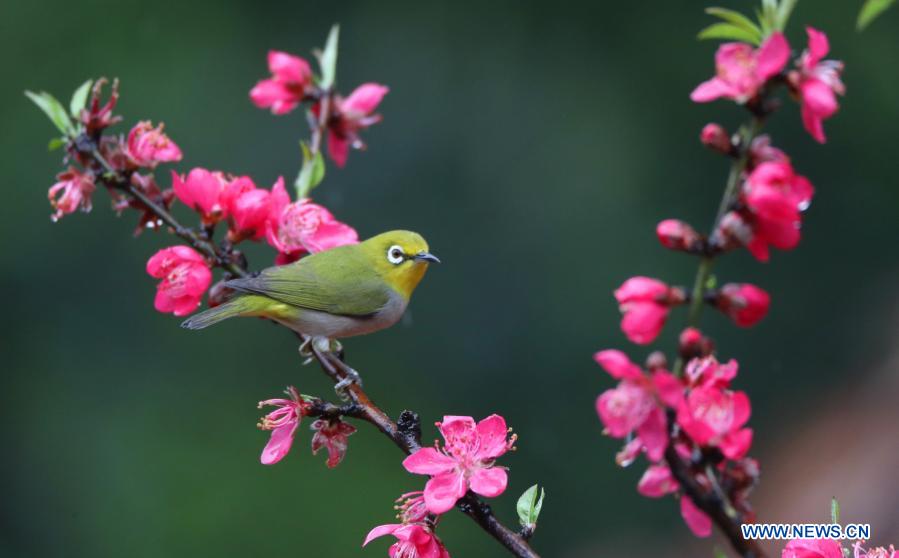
692,344
761,151
331,435
202,192
712,416
657,482
349,116
716,138
149,146
644,303
283,423
775,196
185,277
743,303
291,76
818,83
248,207
879,552
636,405
677,235
465,462
412,541
76,189
695,518
813,548
742,70
708,372
303,226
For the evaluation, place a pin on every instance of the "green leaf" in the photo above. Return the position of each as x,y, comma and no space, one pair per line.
728,32
79,99
738,20
54,111
328,59
311,173
783,13
56,143
870,11
529,505
834,511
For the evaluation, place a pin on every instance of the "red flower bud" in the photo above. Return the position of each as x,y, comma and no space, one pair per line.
678,235
745,304
715,137
693,344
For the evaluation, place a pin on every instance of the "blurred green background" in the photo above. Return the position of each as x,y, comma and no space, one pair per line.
535,145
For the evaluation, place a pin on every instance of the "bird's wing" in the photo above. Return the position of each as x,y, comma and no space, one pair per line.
338,288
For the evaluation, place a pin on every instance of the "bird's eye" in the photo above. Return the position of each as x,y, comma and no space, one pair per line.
395,255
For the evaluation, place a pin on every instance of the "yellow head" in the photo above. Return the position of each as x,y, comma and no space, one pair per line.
400,257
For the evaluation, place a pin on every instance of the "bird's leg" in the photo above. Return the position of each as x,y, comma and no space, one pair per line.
350,376
306,350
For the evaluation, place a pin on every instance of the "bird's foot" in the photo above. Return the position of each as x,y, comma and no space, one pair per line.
350,377
312,344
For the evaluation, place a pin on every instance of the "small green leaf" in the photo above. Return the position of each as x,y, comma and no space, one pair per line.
328,58
529,505
311,173
870,11
728,32
738,20
783,13
56,143
711,282
79,99
54,111
834,511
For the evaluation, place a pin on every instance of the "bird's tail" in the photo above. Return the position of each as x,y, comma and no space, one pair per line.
240,306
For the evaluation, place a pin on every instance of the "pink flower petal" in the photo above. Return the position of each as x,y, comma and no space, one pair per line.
710,90
818,548
736,444
365,98
657,482
338,148
492,435
288,68
428,461
818,46
618,365
490,482
696,519
443,491
279,444
668,387
654,434
643,321
773,55
380,531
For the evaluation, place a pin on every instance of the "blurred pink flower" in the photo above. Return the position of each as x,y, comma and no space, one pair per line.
303,226
761,151
248,207
712,416
817,82
331,435
742,70
201,191
349,116
813,548
291,76
677,235
775,196
708,372
185,278
695,518
879,552
716,138
283,423
466,461
76,189
149,146
644,303
743,303
657,482
412,541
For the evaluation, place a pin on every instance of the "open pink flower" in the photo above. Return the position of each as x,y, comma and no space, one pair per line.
412,541
879,552
813,548
742,70
201,191
149,146
248,208
818,83
712,416
72,191
291,76
303,226
743,303
637,404
708,372
283,423
695,518
465,461
185,278
331,435
644,303
349,116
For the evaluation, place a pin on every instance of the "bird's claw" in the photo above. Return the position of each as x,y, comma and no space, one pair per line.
350,377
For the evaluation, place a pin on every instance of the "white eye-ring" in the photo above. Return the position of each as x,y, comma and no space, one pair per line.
395,255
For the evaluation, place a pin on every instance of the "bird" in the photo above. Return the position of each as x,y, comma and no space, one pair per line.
346,291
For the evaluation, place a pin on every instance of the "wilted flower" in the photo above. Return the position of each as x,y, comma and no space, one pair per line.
148,146
95,117
349,116
818,82
72,191
291,77
283,423
644,303
465,461
185,277
742,70
303,226
331,435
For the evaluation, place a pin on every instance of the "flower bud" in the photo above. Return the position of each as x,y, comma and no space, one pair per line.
656,361
678,235
693,344
743,303
715,137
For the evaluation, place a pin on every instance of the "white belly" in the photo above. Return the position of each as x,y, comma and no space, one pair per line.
322,324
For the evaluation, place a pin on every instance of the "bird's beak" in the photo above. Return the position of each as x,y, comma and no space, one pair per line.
426,257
